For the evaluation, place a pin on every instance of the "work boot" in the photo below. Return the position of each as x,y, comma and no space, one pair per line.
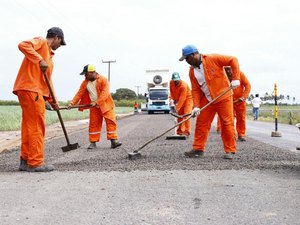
194,154
115,143
42,168
23,165
92,145
241,139
228,155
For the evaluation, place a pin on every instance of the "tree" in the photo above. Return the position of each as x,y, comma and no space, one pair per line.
124,93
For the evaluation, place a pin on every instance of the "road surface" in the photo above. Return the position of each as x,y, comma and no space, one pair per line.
101,186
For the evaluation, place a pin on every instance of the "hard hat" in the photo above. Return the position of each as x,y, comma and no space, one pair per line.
175,76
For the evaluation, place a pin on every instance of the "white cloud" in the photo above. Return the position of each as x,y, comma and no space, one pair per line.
142,35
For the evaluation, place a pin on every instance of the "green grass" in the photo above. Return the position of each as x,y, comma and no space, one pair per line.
286,114
10,116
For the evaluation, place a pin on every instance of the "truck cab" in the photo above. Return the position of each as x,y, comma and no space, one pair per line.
158,91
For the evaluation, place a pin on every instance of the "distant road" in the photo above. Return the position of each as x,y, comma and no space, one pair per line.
262,131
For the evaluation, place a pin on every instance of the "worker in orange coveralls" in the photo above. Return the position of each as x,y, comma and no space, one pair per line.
208,81
181,95
95,90
240,94
32,91
135,107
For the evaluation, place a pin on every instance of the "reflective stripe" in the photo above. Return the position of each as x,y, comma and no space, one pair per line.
95,132
112,132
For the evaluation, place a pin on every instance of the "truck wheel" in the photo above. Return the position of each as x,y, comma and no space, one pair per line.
167,112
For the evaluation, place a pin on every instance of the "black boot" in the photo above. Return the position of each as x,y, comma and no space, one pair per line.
23,165
115,143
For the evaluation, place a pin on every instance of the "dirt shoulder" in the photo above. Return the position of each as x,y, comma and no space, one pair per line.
12,139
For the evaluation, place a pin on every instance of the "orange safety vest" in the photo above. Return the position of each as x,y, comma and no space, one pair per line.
104,101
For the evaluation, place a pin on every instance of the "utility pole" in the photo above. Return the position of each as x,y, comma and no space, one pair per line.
109,62
137,87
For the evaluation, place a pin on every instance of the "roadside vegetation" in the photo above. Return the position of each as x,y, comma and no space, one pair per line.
10,111
10,116
287,114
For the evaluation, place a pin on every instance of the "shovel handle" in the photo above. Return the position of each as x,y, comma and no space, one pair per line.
54,101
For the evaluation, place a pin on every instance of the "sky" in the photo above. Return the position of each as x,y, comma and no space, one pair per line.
144,35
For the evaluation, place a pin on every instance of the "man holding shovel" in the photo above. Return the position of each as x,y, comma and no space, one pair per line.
32,91
94,90
210,86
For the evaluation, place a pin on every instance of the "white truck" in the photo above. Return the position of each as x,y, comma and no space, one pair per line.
158,91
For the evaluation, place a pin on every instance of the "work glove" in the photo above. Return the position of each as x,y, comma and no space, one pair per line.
235,83
196,112
69,106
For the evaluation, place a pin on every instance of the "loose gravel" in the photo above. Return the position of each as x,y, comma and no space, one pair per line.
161,154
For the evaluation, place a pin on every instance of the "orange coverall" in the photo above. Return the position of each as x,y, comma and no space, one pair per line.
217,83
31,89
239,108
104,110
182,96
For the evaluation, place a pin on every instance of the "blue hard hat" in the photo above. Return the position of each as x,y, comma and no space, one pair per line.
187,50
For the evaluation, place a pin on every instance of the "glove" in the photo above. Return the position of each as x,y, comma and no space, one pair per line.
235,83
196,112
69,106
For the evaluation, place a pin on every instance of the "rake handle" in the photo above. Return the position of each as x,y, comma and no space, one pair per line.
76,106
153,139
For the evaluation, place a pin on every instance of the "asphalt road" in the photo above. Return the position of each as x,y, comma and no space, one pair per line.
101,186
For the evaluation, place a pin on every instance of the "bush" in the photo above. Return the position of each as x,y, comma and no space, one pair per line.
11,102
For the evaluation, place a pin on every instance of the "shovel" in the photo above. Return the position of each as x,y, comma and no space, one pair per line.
69,147
137,153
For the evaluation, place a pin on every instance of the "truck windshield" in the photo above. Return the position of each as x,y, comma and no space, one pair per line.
159,94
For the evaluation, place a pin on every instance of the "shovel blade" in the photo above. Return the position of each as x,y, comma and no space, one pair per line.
134,155
70,147
176,137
